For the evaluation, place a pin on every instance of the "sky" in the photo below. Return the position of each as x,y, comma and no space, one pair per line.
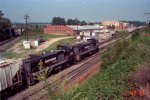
88,10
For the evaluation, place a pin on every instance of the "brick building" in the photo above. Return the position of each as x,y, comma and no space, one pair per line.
122,26
118,25
59,30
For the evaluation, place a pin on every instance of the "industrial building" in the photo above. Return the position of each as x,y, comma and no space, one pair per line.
117,25
58,29
72,29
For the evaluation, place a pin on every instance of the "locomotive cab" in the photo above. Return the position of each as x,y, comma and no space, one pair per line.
65,48
68,49
85,49
94,41
70,53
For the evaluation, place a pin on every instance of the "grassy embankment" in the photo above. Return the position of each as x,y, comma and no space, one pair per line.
119,63
35,34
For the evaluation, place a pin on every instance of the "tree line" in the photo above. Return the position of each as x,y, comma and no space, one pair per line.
62,21
135,23
4,23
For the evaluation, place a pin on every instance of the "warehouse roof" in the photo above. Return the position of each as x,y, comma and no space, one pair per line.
85,27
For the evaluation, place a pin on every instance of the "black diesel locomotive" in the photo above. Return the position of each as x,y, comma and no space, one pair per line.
53,62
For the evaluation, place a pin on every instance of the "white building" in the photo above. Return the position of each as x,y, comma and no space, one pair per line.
88,31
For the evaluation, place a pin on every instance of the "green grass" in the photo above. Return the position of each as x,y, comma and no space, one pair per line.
118,65
14,55
11,54
35,35
63,41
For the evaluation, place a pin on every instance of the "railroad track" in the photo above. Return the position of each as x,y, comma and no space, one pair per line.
69,77
80,70
28,95
25,94
6,41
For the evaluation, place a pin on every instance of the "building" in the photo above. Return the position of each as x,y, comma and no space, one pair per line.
95,23
58,30
87,31
117,25
110,23
73,30
122,26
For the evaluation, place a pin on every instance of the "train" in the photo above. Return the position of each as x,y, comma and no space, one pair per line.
25,73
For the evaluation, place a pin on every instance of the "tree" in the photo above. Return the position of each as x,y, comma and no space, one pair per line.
62,21
83,23
4,23
135,23
1,14
58,21
70,22
76,21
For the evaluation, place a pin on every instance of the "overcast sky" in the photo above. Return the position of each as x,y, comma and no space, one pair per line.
89,10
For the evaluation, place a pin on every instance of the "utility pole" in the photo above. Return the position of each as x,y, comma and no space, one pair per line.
26,17
148,22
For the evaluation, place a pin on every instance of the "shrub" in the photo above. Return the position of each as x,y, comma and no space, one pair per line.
135,35
142,76
119,63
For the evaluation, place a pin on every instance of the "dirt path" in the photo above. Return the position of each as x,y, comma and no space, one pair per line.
47,43
18,48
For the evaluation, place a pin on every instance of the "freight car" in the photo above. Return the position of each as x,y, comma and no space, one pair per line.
52,62
10,75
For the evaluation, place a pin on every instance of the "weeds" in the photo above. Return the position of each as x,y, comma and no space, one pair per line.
142,76
52,90
119,63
